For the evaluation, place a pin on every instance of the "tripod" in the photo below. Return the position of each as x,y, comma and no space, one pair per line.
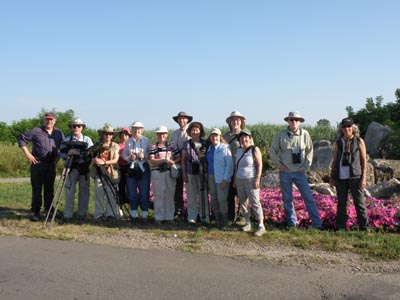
57,195
203,192
106,181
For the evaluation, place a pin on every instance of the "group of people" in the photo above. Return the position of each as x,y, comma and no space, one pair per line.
223,167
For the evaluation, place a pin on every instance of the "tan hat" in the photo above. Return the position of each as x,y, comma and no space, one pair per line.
198,125
235,113
77,121
182,114
294,115
137,124
245,131
106,128
215,131
162,129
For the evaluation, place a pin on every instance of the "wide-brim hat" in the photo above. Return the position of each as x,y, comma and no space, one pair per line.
77,121
125,129
137,124
106,128
235,113
162,129
196,124
182,114
294,115
245,131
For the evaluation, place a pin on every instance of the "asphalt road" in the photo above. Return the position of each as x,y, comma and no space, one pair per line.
53,269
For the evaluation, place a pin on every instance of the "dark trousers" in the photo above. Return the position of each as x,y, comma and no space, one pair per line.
178,196
231,202
342,188
123,198
43,176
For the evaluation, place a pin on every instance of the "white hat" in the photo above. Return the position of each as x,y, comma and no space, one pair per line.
77,121
162,129
215,131
294,115
137,124
235,113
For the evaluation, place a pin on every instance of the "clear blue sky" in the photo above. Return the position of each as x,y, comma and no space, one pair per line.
120,61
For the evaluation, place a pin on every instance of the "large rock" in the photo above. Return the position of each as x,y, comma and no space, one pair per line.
386,189
385,169
375,137
270,180
323,155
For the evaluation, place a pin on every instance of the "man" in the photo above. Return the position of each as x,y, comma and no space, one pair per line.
75,145
292,152
178,137
236,122
46,141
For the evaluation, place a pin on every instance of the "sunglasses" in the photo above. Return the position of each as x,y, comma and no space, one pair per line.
108,133
76,126
294,120
346,126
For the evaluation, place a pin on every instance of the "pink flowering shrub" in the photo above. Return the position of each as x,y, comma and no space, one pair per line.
382,214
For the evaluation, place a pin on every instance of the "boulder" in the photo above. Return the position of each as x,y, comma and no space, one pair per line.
386,189
375,137
270,180
323,154
385,169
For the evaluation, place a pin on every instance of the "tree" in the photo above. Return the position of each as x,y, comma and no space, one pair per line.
323,123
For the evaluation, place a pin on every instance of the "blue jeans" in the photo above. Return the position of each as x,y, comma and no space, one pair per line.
286,180
138,190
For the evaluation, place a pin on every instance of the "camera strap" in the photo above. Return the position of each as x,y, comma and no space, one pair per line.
253,148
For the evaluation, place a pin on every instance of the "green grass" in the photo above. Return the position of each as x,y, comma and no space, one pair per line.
15,210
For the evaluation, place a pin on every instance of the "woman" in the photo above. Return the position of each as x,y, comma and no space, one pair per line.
348,173
104,172
248,169
123,135
220,170
136,153
162,156
193,161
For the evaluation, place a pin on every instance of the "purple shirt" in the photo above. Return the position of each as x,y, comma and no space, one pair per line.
44,146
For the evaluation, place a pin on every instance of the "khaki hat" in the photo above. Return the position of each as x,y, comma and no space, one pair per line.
215,131
106,128
294,115
162,129
198,125
182,114
235,113
77,121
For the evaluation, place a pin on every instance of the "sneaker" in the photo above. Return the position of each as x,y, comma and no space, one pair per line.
134,214
260,231
241,221
246,228
35,217
191,221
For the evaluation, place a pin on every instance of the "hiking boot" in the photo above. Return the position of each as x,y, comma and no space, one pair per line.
260,231
241,221
35,217
246,228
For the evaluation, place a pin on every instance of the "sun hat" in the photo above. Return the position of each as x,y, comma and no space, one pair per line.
137,124
50,116
235,113
294,115
215,131
198,125
162,129
347,122
182,114
106,128
245,131
77,121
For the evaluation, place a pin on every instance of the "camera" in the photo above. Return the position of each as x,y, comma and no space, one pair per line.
163,167
296,158
346,159
195,168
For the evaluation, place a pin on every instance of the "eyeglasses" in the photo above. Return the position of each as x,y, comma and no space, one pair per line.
76,126
294,120
108,133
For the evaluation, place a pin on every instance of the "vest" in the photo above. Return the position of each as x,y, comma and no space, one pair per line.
355,166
